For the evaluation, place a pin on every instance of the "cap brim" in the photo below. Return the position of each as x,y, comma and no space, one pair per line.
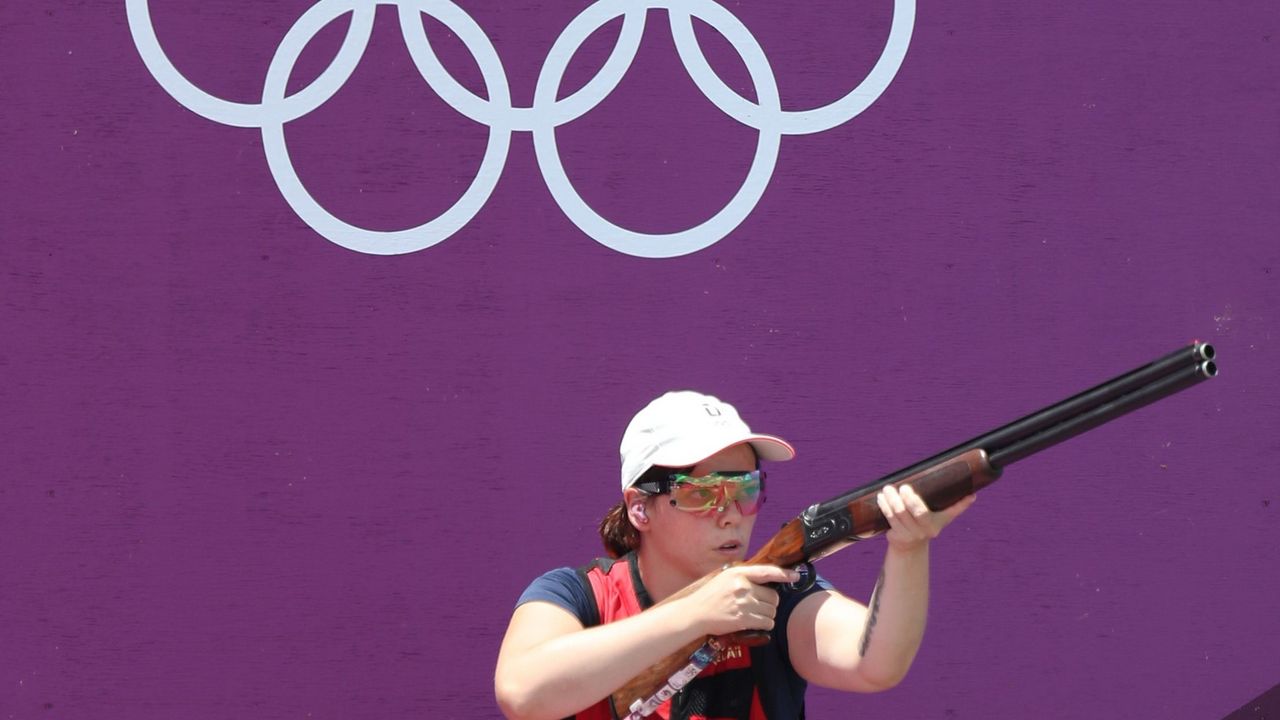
767,447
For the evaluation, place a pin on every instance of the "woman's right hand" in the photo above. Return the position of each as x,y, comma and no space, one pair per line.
737,598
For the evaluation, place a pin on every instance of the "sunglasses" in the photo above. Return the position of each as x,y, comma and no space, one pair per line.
711,493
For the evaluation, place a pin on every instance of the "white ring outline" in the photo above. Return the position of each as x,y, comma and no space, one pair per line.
631,242
386,242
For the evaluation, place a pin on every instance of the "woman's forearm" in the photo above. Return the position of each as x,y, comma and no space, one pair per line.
571,672
896,617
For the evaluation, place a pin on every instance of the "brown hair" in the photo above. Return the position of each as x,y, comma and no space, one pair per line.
617,533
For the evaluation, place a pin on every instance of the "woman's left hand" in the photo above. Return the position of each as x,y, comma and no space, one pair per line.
911,523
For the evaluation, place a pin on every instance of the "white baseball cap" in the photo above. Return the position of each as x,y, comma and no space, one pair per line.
681,429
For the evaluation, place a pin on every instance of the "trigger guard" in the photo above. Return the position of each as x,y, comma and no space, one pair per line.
807,578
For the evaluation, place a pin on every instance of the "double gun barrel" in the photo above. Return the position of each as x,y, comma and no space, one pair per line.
950,475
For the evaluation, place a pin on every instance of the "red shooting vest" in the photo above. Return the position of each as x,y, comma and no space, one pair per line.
726,690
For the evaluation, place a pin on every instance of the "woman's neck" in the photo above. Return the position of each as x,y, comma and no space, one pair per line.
661,578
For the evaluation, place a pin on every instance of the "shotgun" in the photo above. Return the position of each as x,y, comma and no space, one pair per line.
941,481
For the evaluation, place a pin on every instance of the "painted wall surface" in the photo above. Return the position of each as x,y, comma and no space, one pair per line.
249,472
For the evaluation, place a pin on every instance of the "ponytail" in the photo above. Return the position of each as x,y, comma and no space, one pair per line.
617,533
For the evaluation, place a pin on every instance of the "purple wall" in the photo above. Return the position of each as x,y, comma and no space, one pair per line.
250,473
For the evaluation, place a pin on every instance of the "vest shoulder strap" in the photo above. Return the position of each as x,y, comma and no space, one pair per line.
593,607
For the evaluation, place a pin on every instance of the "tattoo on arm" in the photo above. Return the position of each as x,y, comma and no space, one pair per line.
871,616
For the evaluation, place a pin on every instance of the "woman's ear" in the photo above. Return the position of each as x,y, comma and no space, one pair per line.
637,509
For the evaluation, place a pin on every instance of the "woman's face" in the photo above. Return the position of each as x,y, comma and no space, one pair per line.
699,544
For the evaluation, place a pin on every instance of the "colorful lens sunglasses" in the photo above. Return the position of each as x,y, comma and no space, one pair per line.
711,493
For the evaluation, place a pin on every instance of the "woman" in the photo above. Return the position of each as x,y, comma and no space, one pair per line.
691,487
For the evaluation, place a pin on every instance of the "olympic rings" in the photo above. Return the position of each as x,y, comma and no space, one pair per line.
540,119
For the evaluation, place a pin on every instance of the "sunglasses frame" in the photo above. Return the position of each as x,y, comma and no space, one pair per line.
664,486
